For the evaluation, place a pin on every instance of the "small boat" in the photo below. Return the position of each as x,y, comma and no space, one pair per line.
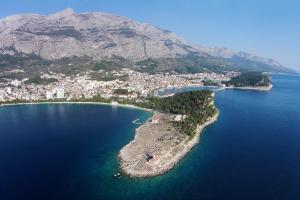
117,174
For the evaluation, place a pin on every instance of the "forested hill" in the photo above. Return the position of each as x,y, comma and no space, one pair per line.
196,105
249,79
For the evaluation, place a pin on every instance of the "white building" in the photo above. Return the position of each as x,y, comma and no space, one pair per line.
15,83
60,93
178,118
8,90
1,97
49,95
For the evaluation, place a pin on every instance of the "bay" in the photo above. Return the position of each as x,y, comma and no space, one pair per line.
69,151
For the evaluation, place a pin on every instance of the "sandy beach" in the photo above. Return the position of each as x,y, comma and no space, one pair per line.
94,103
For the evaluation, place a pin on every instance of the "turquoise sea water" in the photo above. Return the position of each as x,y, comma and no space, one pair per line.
69,151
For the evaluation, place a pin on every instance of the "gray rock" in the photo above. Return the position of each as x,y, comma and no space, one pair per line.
101,36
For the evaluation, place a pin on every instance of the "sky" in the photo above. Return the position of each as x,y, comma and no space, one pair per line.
268,28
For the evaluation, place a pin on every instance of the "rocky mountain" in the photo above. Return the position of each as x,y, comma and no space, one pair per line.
101,36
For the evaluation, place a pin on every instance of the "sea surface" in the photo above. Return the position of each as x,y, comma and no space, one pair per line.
70,151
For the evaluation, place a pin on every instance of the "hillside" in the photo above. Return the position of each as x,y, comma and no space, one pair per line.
87,38
249,79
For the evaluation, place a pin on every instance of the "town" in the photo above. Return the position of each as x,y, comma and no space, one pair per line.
137,84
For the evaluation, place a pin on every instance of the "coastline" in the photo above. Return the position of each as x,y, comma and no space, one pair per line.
129,163
88,103
187,145
260,88
182,87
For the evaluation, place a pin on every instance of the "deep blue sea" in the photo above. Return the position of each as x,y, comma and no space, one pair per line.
70,151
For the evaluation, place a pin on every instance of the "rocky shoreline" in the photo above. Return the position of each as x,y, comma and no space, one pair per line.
260,88
157,147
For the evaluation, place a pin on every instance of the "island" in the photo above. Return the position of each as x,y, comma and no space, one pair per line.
251,81
174,129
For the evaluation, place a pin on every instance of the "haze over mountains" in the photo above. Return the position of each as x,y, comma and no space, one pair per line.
100,36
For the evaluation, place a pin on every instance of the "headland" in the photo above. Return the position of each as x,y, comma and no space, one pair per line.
157,147
162,141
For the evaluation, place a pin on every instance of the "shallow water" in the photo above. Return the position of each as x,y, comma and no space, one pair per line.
69,151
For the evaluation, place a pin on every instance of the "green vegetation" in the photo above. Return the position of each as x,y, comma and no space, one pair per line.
114,63
196,105
15,101
191,63
106,76
106,66
121,91
148,65
23,60
112,78
40,81
249,79
96,98
210,83
11,75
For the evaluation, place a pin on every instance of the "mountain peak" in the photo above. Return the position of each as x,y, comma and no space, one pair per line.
102,36
64,13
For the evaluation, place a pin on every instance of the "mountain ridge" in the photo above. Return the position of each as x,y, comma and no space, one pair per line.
101,36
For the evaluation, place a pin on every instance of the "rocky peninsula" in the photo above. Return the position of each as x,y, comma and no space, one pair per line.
163,140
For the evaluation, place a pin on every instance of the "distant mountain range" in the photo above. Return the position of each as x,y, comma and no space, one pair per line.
28,39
